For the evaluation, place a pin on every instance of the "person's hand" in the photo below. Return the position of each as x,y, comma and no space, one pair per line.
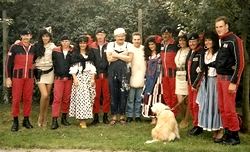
76,82
232,88
93,82
8,83
115,55
194,89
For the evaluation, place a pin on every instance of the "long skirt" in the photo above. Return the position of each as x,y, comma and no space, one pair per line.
150,99
82,97
209,116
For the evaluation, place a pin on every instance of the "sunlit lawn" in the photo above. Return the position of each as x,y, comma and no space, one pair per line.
103,137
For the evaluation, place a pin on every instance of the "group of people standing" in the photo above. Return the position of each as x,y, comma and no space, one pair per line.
189,75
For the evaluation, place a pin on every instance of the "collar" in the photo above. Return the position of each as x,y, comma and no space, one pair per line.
225,35
170,41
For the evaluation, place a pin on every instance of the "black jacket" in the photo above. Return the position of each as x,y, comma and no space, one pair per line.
195,59
61,64
230,57
100,62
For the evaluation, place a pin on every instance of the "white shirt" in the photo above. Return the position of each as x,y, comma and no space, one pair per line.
211,70
125,48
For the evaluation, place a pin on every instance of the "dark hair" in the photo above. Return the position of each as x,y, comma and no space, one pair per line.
76,56
39,46
215,39
82,38
155,39
222,18
183,36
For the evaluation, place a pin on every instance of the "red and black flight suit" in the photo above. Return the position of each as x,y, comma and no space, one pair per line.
101,81
195,59
229,66
62,84
168,52
20,69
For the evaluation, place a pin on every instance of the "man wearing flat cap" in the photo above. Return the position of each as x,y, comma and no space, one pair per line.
101,79
19,76
168,52
61,57
195,59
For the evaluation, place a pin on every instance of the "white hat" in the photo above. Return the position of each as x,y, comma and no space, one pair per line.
119,31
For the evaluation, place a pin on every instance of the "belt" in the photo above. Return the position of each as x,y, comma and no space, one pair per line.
224,77
181,69
62,78
101,75
170,72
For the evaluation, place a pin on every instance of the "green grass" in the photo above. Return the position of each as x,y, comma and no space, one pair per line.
103,137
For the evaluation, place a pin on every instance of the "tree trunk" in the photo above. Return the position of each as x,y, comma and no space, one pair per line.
246,84
140,21
5,48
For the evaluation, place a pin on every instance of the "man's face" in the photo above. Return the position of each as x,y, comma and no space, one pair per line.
136,40
120,39
193,44
65,43
26,37
221,28
100,37
166,36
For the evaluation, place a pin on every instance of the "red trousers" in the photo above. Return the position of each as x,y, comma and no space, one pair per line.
22,88
194,107
169,95
62,91
227,104
102,88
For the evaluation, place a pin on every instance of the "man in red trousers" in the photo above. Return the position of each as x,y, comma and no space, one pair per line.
101,80
19,76
168,52
61,57
229,66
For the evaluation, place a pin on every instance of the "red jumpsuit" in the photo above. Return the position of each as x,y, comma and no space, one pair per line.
168,53
19,65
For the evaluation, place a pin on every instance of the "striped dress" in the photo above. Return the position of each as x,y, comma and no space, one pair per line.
207,98
152,91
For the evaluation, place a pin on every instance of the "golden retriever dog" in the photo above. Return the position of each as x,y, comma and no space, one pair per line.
166,128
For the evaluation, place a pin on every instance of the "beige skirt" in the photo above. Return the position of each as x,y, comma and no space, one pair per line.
181,85
47,78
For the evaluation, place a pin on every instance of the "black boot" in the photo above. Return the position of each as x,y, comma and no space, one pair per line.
64,120
15,125
105,118
96,119
233,138
54,124
195,131
26,123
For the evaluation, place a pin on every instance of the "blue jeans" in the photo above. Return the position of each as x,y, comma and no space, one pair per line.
134,102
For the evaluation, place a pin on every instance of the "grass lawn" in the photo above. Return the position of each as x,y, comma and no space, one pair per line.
129,137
